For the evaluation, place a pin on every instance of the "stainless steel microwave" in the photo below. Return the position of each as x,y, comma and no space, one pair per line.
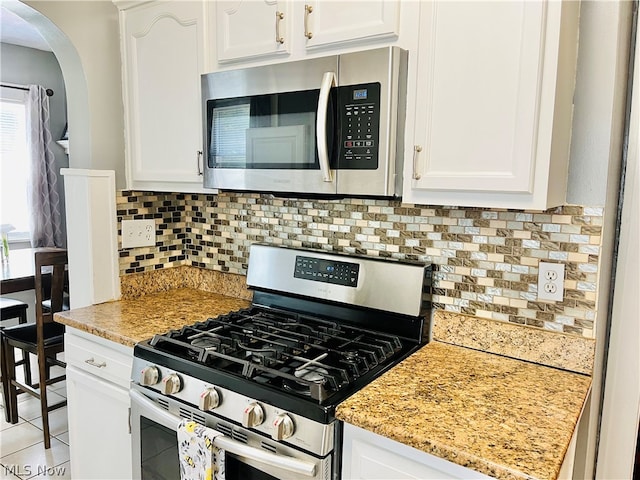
324,126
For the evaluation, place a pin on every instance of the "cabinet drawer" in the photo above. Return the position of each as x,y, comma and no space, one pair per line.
99,358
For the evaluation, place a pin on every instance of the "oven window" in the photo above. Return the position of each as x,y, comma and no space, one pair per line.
159,446
275,131
236,470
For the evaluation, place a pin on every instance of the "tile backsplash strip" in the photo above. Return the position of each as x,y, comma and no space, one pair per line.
487,260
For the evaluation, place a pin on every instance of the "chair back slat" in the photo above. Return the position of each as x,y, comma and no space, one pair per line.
51,263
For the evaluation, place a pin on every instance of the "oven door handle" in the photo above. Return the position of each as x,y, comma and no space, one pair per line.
290,464
284,462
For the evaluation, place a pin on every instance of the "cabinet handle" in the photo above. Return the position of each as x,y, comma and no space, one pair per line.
416,150
198,157
279,16
307,10
93,363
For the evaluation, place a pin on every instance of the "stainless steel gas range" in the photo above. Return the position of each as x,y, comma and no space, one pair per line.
269,377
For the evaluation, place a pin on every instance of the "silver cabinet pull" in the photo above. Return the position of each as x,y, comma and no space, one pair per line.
93,363
307,10
416,150
198,159
279,16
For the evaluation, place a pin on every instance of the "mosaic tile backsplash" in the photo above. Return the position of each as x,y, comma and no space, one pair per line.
487,260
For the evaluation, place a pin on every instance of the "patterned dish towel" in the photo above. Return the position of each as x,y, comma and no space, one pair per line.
200,459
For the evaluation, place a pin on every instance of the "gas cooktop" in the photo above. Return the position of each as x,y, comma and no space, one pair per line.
304,355
320,327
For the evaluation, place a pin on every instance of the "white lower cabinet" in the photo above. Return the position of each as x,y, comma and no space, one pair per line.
368,456
98,373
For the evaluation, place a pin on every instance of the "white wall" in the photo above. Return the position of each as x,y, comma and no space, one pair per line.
621,408
597,112
84,36
596,152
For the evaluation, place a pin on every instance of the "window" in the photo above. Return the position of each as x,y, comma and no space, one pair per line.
14,166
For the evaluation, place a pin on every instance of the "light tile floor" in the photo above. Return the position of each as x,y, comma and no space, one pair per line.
22,452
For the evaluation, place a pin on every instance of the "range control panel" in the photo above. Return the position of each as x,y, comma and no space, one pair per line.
360,126
327,271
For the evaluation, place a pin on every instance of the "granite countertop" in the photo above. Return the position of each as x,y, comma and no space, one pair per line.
503,417
130,321
507,418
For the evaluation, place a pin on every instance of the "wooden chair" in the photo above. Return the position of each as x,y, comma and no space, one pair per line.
11,309
45,339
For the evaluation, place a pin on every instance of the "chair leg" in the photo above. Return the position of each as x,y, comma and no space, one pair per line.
26,365
5,380
42,374
10,365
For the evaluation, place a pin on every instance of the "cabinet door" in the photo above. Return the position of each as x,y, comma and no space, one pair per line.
486,103
368,456
164,57
250,28
99,438
327,23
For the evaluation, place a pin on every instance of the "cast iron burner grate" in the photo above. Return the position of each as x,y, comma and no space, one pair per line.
301,354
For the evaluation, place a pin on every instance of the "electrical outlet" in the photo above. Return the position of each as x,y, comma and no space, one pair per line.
551,281
138,233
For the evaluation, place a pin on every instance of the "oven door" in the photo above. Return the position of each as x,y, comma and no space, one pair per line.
155,446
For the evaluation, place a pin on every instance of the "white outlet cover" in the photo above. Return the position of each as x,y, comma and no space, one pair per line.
550,286
138,233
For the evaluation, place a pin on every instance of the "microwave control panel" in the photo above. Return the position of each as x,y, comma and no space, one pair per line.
360,126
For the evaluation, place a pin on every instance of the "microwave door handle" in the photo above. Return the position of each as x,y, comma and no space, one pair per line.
159,415
328,81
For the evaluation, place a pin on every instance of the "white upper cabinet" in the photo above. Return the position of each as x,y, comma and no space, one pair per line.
252,28
247,30
163,57
493,104
327,23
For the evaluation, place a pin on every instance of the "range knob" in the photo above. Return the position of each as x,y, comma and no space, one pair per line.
171,384
283,427
149,375
253,415
209,399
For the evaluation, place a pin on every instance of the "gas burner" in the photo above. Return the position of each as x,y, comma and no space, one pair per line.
350,355
205,342
312,373
259,355
296,387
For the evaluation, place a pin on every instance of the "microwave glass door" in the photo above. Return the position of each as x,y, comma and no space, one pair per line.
274,131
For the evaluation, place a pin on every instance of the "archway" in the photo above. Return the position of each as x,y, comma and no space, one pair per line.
78,117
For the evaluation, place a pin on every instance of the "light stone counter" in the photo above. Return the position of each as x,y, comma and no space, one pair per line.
503,417
133,320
